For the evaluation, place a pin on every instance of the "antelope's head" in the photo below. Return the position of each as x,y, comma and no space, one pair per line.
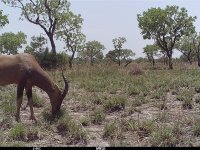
58,96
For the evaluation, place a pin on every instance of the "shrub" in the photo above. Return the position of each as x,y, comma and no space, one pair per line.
196,128
115,104
197,99
32,134
18,132
37,101
67,127
97,116
112,131
85,121
48,117
136,70
129,125
164,137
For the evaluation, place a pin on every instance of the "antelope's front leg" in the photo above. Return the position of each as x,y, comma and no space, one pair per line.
30,103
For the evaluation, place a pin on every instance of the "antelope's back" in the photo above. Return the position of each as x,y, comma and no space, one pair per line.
9,69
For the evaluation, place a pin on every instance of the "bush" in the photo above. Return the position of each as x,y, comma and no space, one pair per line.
112,131
136,70
49,60
97,116
164,137
115,104
67,127
18,132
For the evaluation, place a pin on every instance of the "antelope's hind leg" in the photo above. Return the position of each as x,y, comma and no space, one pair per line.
30,102
20,89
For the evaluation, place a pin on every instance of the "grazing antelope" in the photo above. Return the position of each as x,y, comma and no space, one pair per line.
24,70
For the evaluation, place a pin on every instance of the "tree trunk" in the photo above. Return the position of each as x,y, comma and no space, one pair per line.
119,61
170,63
91,60
71,60
53,46
169,54
153,62
189,60
198,59
53,50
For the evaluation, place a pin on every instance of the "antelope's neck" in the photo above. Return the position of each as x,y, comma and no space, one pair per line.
44,82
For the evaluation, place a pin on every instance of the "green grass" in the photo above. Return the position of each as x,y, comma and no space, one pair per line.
112,131
68,128
9,102
116,103
18,132
163,137
97,116
37,100
49,118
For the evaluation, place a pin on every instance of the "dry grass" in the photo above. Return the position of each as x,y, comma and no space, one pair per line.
106,106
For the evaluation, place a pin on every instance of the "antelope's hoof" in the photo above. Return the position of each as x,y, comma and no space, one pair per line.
33,119
24,108
18,119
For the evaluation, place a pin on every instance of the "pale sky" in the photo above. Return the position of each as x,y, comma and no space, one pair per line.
105,20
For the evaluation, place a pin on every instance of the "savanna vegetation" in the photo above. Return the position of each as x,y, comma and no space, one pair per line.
113,100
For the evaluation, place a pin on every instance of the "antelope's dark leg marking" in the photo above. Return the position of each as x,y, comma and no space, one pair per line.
30,102
20,90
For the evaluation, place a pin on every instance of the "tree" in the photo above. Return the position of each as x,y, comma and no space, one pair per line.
118,42
38,48
70,33
37,45
196,42
125,56
151,51
10,42
186,47
92,51
166,26
47,14
3,19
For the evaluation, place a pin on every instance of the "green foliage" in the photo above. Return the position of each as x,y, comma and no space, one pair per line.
164,137
117,103
112,131
197,99
129,125
151,51
85,121
52,16
37,101
97,116
186,96
119,54
67,127
32,134
37,46
166,26
92,51
125,55
49,118
3,19
9,103
196,128
187,47
69,30
10,42
18,132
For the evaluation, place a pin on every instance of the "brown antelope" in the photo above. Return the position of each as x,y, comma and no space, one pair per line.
24,70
